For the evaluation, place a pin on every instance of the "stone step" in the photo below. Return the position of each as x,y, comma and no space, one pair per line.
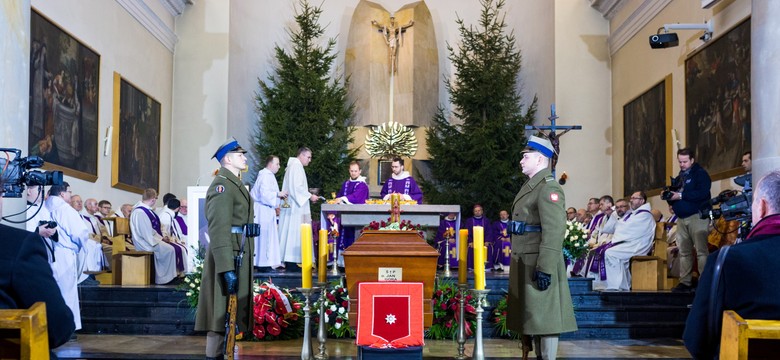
135,309
138,326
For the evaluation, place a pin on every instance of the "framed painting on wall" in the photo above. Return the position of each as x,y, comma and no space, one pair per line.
646,121
64,88
717,102
136,156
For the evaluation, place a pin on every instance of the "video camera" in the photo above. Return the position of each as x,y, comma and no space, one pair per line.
732,205
676,185
16,173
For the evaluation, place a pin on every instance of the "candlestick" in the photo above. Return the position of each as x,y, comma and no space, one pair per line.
334,270
462,322
463,256
479,251
306,351
322,259
322,332
306,255
447,272
479,351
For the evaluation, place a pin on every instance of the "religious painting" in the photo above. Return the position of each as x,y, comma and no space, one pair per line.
717,102
645,123
136,157
64,88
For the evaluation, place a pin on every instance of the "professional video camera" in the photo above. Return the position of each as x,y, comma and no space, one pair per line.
732,205
16,173
676,185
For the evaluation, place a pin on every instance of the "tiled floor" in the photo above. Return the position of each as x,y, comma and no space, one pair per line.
192,347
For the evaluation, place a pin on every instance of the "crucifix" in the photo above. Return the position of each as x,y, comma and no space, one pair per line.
552,135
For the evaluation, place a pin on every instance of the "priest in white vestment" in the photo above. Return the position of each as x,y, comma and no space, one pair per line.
265,194
68,253
299,199
147,236
633,237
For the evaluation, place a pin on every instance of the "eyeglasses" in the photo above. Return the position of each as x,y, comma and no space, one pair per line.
571,212
636,198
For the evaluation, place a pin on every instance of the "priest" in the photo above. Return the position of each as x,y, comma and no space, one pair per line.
502,243
633,237
353,191
479,219
445,240
299,211
402,183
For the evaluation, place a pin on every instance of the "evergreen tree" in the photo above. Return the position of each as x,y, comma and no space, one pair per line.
478,160
301,105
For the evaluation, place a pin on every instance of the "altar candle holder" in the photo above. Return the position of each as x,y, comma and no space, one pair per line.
479,351
306,350
462,322
322,331
334,269
447,271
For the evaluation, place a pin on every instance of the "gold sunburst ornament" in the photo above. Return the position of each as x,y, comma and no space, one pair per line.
391,139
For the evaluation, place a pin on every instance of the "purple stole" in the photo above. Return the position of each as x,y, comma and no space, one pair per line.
583,262
593,223
155,220
182,225
86,218
504,253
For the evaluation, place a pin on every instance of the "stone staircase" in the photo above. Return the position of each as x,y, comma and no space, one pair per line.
162,310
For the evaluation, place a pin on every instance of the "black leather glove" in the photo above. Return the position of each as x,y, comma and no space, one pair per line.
542,279
231,281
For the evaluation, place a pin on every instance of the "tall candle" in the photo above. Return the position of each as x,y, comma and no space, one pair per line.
322,260
463,256
479,256
306,254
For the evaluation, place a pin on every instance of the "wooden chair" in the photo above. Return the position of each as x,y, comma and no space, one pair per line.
33,340
649,272
737,332
130,267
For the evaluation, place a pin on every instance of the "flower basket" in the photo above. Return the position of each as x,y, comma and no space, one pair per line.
278,314
446,312
575,241
336,313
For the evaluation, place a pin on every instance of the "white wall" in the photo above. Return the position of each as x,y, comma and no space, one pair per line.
583,97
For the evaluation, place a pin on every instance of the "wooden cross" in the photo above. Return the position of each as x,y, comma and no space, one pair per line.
552,135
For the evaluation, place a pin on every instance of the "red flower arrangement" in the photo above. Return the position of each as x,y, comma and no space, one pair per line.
403,225
277,314
446,313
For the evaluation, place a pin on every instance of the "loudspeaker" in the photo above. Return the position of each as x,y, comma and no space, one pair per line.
661,41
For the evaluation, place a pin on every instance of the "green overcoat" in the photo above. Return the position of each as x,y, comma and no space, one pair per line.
228,204
531,311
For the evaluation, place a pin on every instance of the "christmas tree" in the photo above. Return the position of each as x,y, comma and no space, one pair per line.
302,105
476,160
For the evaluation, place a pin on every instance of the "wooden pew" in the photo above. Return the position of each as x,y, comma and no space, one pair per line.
649,272
33,340
737,332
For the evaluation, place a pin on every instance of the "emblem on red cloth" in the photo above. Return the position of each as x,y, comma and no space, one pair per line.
219,189
390,314
554,197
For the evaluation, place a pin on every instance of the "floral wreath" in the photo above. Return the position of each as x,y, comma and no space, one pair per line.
403,225
575,241
336,312
446,313
277,314
498,318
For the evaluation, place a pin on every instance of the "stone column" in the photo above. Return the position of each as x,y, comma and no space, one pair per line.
765,86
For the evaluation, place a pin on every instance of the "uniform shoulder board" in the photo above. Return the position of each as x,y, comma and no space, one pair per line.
549,178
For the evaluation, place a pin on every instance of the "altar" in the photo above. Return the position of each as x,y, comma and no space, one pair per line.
363,214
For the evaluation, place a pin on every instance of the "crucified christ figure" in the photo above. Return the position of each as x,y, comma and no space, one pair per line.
392,33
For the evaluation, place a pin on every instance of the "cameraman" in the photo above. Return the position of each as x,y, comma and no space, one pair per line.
26,278
748,276
694,190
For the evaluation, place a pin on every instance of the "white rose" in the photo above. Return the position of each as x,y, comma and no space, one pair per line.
333,308
338,325
192,285
566,234
341,310
197,281
189,293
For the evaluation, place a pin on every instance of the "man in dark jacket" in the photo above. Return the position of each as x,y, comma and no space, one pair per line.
748,277
692,231
26,278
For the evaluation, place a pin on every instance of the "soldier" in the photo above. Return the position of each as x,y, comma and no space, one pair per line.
228,210
539,300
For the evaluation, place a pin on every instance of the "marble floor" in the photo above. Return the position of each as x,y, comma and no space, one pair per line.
192,347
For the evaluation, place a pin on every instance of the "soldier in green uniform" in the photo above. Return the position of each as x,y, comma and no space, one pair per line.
539,300
228,211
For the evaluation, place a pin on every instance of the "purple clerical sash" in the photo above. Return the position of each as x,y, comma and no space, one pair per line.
153,218
87,219
182,225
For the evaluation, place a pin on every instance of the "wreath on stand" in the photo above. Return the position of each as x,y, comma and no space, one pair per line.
278,314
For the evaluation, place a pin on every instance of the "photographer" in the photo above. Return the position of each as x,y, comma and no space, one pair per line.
748,275
25,278
693,189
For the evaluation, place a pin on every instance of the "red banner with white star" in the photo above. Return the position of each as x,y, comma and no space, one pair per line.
390,314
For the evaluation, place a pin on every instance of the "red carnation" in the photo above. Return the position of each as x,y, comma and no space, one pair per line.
340,290
330,297
339,320
444,306
345,303
328,312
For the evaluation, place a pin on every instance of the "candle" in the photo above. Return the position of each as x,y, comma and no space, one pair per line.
463,256
322,260
306,254
479,256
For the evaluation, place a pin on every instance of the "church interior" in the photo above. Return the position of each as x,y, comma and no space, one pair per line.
126,95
